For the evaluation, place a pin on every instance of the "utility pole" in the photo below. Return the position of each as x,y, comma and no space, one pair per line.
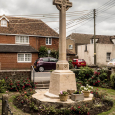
94,39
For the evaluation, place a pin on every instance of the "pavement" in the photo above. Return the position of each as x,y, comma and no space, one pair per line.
41,76
40,95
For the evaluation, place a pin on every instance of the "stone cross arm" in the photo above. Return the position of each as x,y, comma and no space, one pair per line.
62,3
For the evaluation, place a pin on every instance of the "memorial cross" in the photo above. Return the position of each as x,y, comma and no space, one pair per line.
62,6
62,3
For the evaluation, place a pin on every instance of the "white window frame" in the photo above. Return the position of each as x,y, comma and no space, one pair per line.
70,47
24,61
22,39
92,41
48,43
3,23
108,57
113,40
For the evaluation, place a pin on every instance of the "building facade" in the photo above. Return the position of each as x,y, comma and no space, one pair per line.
20,40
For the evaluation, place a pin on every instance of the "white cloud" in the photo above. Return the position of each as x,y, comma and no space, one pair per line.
27,7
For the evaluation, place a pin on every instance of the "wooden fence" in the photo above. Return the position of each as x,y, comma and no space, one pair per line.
5,105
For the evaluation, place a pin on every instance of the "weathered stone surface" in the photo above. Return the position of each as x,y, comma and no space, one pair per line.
62,80
77,97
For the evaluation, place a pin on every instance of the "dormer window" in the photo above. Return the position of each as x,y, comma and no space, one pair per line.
3,23
92,41
113,40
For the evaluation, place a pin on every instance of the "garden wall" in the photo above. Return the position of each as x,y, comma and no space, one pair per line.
15,74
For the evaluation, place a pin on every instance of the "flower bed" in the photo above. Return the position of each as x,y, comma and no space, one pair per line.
15,85
34,106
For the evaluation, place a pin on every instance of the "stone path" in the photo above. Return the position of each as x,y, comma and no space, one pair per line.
41,97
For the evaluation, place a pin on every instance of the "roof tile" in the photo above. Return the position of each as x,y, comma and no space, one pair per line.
28,26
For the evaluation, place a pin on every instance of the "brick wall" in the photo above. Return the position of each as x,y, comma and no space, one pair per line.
7,39
35,42
38,42
9,61
15,74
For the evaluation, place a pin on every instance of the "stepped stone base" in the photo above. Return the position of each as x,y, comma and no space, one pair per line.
42,85
62,80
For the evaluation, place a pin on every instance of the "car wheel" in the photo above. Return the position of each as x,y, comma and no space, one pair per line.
41,69
75,66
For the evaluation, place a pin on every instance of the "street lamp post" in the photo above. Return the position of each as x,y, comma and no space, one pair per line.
49,51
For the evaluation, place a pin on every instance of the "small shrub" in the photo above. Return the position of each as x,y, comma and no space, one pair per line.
79,84
2,86
70,64
54,53
84,74
112,79
76,71
95,79
18,85
43,51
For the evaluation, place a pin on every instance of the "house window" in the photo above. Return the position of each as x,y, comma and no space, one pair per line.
48,41
70,46
24,57
4,23
108,56
85,48
22,39
92,41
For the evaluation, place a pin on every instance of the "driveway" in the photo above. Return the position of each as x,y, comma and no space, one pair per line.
42,76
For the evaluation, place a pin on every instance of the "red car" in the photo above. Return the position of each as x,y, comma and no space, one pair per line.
78,63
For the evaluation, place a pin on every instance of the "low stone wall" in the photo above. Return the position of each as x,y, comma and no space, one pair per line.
15,74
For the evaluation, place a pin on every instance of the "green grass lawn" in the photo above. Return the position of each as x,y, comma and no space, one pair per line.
16,111
111,94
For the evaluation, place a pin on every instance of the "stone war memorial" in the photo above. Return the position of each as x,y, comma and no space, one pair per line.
62,79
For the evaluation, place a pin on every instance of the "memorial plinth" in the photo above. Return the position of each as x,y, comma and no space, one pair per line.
62,78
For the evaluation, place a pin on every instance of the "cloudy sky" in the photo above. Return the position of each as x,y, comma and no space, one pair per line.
79,16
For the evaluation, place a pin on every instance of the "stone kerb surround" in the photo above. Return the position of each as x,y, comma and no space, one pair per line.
62,78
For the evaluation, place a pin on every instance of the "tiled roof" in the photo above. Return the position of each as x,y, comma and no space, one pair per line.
102,39
81,38
69,52
27,26
85,38
17,49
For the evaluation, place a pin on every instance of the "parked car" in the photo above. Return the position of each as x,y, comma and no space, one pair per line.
111,63
45,63
78,63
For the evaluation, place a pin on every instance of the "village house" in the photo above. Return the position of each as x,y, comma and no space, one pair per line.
83,46
75,39
20,40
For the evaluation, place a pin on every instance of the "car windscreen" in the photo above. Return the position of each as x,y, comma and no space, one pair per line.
81,60
45,59
53,60
74,60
